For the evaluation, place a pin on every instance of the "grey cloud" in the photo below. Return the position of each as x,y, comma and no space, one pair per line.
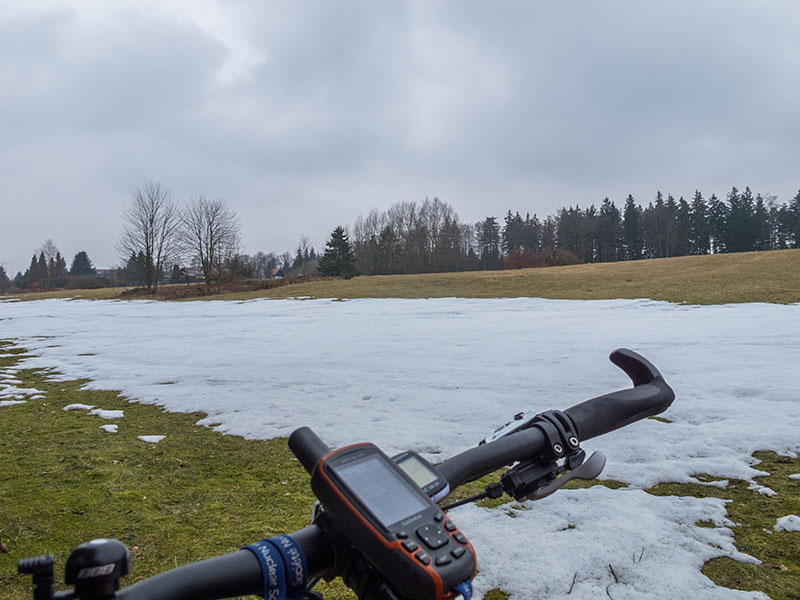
350,105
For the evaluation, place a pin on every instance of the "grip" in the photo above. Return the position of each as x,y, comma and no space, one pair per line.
611,411
307,447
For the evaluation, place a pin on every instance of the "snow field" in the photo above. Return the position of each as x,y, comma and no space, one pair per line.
439,375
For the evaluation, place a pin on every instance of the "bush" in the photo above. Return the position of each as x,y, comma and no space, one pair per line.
525,259
86,282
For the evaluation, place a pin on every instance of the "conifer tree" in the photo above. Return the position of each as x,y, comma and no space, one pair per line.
717,222
5,282
59,276
338,259
762,226
82,265
794,220
632,229
699,242
683,232
488,237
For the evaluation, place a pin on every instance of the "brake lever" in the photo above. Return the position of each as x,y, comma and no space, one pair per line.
589,469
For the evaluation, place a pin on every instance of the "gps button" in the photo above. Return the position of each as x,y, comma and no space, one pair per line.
423,557
432,536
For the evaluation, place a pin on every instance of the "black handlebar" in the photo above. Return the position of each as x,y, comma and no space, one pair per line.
239,573
235,574
650,396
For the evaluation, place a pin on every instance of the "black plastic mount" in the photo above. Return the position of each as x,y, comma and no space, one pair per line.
525,478
41,568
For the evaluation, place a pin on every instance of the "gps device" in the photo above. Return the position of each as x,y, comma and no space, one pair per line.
424,474
379,508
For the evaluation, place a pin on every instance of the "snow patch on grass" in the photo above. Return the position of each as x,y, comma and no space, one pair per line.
107,414
788,523
11,402
78,407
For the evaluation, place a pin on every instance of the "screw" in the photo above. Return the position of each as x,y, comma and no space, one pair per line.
573,441
558,449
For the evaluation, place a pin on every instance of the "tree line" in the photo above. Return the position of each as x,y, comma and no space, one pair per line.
165,241
48,270
430,237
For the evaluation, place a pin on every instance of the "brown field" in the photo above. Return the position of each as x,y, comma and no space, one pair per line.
723,278
719,279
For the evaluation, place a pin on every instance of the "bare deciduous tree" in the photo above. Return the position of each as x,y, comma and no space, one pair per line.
151,228
210,234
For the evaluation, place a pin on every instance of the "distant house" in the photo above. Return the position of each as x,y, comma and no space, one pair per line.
277,273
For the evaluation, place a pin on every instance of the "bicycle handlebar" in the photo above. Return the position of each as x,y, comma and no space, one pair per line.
234,574
239,573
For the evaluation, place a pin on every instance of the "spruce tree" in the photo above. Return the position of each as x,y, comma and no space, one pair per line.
684,228
632,229
763,226
338,259
699,237
718,223
5,282
82,265
794,220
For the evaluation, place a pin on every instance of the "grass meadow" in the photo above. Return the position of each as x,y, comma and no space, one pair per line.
200,493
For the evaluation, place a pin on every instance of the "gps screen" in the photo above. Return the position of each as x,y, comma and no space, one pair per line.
417,470
380,489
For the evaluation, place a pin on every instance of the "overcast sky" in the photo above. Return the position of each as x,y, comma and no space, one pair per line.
303,115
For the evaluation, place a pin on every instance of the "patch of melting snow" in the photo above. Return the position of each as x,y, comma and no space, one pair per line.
78,407
151,439
107,414
11,390
796,476
761,489
109,428
788,523
721,483
11,402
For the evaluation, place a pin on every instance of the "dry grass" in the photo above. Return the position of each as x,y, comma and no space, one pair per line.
718,279
96,294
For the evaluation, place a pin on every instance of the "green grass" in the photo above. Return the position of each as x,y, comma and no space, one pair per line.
194,495
779,574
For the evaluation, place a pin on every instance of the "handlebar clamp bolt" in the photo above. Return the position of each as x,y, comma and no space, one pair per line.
558,449
573,441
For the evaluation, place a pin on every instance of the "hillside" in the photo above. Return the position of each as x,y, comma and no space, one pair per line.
717,279
722,278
